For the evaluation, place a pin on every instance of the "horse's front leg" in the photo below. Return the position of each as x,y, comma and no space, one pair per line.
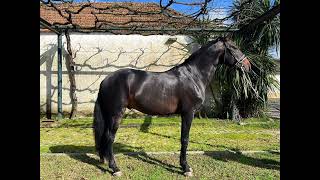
185,128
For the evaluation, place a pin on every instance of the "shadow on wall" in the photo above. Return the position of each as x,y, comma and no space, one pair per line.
48,57
98,72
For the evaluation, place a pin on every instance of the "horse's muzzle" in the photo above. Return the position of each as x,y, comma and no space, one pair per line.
246,64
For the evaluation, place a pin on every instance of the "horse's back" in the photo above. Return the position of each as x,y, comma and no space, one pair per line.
115,77
121,82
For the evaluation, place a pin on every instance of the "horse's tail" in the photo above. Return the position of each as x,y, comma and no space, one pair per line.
101,129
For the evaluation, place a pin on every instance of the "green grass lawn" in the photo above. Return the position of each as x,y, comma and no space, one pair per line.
219,165
163,135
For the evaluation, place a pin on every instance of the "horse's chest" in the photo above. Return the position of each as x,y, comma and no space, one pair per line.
193,96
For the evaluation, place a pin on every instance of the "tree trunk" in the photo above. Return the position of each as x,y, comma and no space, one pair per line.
235,115
71,66
234,111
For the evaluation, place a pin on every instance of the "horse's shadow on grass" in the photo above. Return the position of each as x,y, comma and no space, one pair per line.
139,154
229,155
146,124
130,151
72,151
226,156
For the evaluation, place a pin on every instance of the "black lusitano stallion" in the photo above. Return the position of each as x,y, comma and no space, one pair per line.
180,90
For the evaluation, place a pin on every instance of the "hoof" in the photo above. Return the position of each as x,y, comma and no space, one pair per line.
101,161
119,173
189,174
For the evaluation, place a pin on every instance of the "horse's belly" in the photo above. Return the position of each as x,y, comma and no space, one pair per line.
155,105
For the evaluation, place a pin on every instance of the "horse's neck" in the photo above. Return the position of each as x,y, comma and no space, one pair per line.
203,70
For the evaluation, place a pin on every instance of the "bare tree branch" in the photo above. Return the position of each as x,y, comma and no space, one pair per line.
134,19
71,70
67,9
264,17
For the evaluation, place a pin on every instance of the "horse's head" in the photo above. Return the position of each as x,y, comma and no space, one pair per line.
232,55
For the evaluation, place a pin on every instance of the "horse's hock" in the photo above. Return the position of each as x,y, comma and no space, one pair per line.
99,54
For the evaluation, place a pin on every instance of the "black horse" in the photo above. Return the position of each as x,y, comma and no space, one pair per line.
180,90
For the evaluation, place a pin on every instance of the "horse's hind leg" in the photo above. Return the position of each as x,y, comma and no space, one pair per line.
116,118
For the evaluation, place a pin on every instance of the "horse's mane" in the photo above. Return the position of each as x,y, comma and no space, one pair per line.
198,52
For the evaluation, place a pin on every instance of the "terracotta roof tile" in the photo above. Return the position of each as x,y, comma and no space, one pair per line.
114,17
